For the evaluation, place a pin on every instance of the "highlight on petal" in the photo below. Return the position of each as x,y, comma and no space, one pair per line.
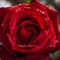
10,39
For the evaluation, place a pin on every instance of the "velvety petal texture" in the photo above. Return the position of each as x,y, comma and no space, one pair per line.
28,32
3,12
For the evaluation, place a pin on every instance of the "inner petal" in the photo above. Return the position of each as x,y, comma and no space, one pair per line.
24,34
27,30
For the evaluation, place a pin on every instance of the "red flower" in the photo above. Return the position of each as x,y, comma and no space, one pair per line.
28,32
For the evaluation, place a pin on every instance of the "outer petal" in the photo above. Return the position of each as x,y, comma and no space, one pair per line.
3,34
58,41
5,56
3,39
53,15
3,12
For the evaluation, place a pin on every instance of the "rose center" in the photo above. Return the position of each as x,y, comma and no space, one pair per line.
25,33
27,30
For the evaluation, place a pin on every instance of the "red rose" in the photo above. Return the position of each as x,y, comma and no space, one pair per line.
28,31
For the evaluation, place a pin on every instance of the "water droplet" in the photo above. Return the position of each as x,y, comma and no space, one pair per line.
37,9
42,12
49,7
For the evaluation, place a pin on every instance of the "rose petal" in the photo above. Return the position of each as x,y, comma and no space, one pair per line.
53,15
5,42
3,12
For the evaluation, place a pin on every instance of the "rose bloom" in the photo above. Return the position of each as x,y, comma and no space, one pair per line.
28,32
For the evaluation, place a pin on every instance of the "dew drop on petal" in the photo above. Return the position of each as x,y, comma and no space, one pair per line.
50,8
37,9
42,12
